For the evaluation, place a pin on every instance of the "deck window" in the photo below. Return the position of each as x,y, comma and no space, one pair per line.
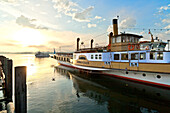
100,56
142,56
91,56
96,56
118,39
160,56
116,56
134,56
124,56
131,39
82,58
152,55
123,38
113,40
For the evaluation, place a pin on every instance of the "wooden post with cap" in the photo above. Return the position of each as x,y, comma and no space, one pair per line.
20,89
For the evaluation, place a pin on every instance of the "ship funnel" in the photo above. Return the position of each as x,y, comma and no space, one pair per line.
78,40
115,27
110,37
92,43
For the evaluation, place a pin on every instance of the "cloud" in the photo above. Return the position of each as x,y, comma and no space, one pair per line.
166,20
9,44
98,17
10,1
83,16
26,22
73,10
39,47
91,25
162,10
64,6
68,21
128,23
58,16
165,7
167,27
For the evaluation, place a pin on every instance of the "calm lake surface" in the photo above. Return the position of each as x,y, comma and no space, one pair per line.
55,90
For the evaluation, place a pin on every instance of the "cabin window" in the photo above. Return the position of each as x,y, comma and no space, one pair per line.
134,56
91,56
160,56
131,39
136,40
142,56
113,40
100,56
116,56
127,39
82,58
124,56
118,39
96,56
152,55
123,38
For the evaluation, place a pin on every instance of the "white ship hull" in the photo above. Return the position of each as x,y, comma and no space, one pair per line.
149,78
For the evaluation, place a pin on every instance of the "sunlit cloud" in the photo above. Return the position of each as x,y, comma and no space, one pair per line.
98,17
73,10
91,25
26,22
128,23
83,16
10,1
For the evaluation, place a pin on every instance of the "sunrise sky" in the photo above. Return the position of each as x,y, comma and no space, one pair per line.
32,25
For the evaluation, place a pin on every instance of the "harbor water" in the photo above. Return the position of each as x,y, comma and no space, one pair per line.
53,89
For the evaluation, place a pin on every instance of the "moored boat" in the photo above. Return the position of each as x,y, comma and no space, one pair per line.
41,54
125,57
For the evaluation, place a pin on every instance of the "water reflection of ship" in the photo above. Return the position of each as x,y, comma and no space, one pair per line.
122,96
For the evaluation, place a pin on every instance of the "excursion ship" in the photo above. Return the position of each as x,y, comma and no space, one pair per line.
125,57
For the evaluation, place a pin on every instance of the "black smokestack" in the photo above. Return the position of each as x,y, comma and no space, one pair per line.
78,39
115,27
92,43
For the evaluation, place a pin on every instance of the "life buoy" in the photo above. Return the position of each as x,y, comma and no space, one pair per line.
131,47
137,46
146,48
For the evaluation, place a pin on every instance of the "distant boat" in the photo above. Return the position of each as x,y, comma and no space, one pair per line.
41,55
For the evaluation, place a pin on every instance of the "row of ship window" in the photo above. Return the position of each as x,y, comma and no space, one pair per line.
134,56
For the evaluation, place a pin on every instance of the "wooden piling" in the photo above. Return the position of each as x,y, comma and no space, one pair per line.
9,81
20,90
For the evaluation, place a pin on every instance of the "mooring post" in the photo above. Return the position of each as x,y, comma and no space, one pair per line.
9,81
20,90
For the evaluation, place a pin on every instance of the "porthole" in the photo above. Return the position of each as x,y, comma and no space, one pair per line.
158,76
126,72
144,74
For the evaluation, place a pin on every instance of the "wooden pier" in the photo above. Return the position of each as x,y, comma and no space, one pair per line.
6,87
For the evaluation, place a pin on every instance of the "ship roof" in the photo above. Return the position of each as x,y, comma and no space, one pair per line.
129,34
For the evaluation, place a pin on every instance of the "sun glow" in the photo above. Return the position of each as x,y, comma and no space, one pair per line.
28,36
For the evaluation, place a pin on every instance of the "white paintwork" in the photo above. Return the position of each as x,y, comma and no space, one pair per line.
109,56
82,67
150,76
